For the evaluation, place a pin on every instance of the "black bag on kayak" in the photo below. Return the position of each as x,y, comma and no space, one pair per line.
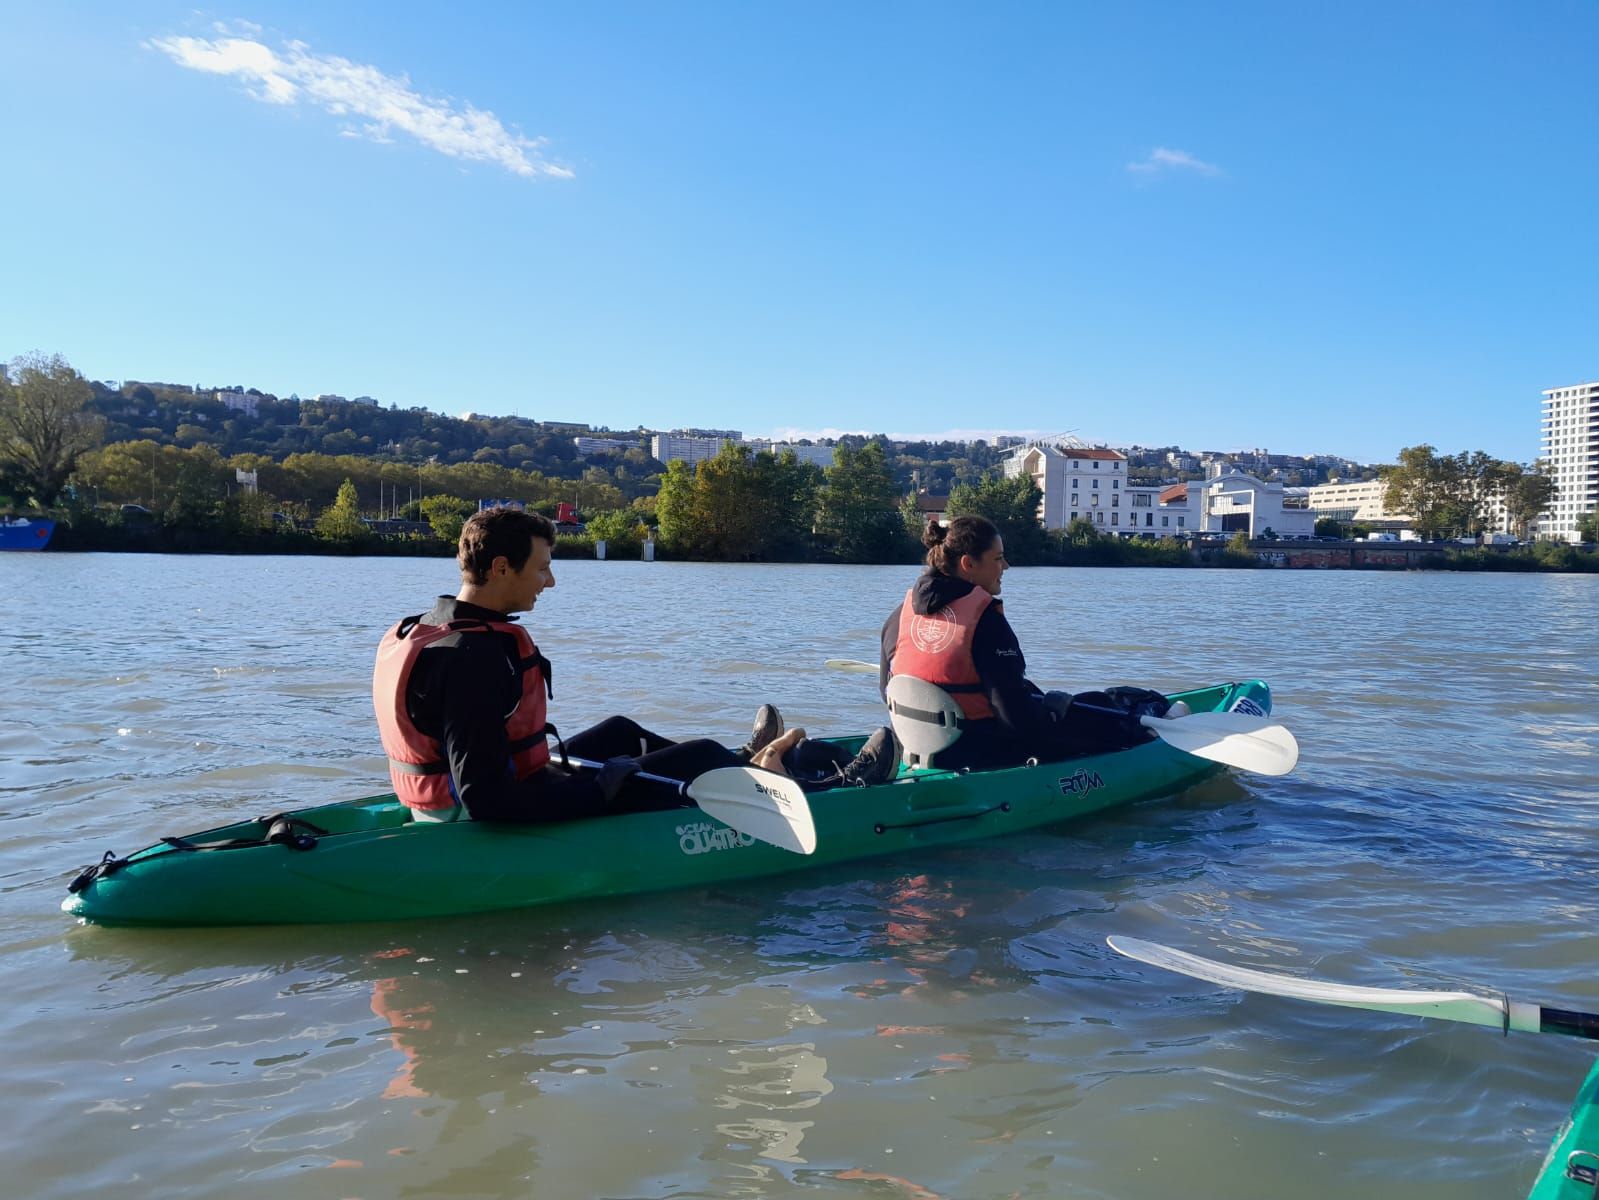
1097,722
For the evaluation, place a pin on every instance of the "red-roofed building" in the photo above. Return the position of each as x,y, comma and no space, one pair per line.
1077,481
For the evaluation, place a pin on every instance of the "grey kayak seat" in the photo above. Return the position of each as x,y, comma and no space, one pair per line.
925,718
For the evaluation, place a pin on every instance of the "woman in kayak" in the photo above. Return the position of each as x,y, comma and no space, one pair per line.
461,694
951,630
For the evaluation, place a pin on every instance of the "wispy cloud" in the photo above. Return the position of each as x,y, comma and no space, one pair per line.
378,104
1160,161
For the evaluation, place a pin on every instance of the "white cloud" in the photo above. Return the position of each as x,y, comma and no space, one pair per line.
1161,160
384,104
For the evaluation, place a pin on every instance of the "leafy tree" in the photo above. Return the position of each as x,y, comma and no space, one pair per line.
1524,493
196,488
45,424
620,529
1081,532
1588,526
857,506
446,515
1446,494
1329,527
341,520
911,518
677,508
1012,505
249,512
738,506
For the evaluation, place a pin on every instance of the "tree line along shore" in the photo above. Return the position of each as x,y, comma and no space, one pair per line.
143,494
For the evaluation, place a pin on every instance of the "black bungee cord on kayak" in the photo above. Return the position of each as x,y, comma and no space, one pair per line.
282,829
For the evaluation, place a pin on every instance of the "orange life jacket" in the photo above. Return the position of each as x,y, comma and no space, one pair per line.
417,766
937,647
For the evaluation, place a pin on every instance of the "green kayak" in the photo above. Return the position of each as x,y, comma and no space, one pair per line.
367,860
1571,1168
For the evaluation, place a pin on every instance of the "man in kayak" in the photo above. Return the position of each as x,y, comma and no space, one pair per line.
461,694
951,630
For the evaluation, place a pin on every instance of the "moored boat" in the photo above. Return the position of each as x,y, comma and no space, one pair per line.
25,533
367,860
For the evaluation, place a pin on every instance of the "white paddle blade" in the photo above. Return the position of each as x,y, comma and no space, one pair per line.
851,664
1466,1007
763,804
1237,739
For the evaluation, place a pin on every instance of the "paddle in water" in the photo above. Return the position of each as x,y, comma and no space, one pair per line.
763,804
1237,739
1497,1012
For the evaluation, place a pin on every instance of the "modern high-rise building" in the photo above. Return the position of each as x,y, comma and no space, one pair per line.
667,446
1571,448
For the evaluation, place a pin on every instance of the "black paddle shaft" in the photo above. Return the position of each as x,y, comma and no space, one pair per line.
1576,1024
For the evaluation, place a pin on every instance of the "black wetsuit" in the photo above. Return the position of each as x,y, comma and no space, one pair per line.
460,690
1022,726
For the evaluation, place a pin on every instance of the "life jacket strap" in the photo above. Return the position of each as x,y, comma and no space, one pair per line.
406,768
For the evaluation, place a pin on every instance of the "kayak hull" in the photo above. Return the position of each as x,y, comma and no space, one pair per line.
1575,1151
375,864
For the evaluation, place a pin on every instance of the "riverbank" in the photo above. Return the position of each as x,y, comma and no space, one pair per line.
1053,552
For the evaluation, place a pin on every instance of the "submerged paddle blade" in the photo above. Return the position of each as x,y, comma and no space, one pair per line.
1237,739
851,664
1466,1007
763,804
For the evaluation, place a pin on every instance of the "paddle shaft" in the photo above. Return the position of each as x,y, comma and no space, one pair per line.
589,764
1467,1008
1569,1022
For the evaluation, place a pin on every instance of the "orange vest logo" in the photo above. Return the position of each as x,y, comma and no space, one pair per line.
934,634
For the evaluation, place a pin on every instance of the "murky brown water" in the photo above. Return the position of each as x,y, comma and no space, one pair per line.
949,1025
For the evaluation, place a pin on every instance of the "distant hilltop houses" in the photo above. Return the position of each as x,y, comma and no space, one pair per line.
1123,490
1091,483
1079,482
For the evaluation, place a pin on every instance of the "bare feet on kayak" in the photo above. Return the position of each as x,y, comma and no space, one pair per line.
770,756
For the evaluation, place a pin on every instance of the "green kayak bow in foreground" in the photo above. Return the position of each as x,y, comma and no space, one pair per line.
367,860
1570,1170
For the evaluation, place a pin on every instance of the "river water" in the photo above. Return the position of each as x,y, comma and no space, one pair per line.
949,1024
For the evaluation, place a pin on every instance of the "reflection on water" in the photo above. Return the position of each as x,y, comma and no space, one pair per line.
947,1025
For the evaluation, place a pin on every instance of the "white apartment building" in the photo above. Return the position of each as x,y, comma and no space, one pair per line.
1090,483
664,447
1076,481
819,456
1571,448
1359,500
594,445
238,400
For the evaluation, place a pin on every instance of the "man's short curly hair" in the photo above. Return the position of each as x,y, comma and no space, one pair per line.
492,532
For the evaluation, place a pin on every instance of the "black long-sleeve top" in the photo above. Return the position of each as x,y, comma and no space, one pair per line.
1021,725
462,688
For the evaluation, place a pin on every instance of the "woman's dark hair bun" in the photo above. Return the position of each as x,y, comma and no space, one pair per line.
948,544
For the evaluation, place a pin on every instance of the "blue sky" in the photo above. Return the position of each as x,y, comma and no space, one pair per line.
1333,228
